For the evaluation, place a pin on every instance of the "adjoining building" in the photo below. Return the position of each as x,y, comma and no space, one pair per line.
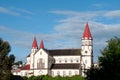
63,62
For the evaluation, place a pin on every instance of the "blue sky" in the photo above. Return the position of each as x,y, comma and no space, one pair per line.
60,23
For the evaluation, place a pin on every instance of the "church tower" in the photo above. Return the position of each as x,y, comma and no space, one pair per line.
34,45
41,44
33,50
87,48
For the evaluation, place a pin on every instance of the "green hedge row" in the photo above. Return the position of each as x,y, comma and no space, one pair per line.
47,77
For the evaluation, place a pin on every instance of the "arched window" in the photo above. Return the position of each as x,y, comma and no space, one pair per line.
40,63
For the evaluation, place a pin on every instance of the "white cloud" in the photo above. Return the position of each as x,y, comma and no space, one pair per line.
72,26
24,13
113,14
7,11
68,31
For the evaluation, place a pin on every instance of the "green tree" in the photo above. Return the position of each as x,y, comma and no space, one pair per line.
109,63
6,60
19,64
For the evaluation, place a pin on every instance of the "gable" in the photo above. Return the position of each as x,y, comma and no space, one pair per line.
41,52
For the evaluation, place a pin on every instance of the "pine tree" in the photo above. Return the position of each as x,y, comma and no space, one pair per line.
6,60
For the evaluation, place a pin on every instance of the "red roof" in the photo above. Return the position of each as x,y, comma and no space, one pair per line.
42,44
87,33
26,67
34,44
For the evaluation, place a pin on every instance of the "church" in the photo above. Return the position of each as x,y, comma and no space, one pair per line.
62,62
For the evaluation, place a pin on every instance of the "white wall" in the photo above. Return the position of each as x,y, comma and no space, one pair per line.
64,72
69,59
40,72
41,54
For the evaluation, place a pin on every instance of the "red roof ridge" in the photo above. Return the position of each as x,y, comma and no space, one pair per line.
26,67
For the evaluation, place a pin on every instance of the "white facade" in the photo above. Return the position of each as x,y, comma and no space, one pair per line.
63,62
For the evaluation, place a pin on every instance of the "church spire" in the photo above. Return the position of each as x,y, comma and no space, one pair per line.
34,44
87,33
42,44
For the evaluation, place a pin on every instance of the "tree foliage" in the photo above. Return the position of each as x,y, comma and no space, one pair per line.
6,60
109,63
47,77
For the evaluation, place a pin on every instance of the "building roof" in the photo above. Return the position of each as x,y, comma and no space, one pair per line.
65,66
34,44
42,44
28,55
26,67
60,52
87,33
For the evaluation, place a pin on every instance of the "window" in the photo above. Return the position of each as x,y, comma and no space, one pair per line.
41,53
86,52
65,61
58,73
77,60
89,42
64,73
25,73
76,73
70,73
71,60
59,61
40,63
52,73
85,61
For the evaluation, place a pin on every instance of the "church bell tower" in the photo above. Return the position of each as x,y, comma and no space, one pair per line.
87,48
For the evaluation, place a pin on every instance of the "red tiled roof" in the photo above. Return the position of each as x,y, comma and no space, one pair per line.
34,44
42,44
87,33
26,67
